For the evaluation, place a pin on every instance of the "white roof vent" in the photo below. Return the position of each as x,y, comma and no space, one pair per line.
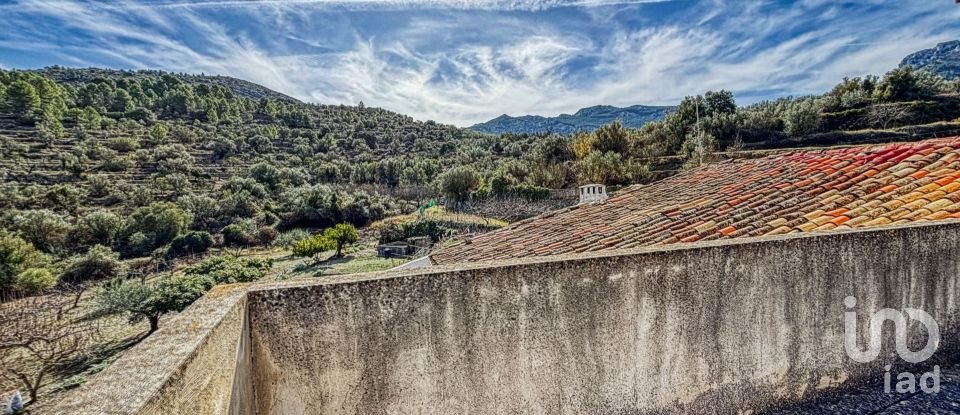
591,193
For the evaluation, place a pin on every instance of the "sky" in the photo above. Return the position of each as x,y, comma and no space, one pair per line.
466,61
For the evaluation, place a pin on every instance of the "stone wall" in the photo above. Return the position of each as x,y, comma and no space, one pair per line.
704,328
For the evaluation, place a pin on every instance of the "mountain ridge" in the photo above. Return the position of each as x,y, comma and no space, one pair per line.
585,119
942,59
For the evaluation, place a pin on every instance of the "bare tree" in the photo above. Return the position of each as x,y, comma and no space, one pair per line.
35,332
885,115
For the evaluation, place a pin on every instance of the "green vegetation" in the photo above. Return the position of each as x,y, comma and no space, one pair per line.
150,300
332,239
312,246
191,243
358,265
341,235
230,269
99,263
22,267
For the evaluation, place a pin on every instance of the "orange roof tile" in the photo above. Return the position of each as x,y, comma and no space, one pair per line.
840,220
798,191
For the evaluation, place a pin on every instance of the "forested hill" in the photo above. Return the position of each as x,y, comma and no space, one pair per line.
75,141
587,119
130,124
239,87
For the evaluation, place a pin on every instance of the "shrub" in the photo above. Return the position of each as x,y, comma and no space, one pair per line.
390,232
35,280
159,223
223,148
183,135
44,229
363,209
204,209
457,183
425,227
291,237
316,205
230,269
62,197
266,235
116,164
123,144
266,174
158,133
237,235
98,227
137,245
17,256
98,263
313,246
192,243
100,185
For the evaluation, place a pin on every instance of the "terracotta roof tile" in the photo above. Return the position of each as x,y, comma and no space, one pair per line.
799,191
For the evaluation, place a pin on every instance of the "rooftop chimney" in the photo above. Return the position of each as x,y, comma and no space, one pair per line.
591,193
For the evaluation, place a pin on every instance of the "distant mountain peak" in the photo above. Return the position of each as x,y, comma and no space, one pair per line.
942,59
585,119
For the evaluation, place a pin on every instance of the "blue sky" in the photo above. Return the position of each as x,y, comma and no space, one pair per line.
466,61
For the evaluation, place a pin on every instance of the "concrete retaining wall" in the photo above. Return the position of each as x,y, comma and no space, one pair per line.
706,328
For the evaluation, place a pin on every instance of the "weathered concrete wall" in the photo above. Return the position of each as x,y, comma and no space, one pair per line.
186,367
711,328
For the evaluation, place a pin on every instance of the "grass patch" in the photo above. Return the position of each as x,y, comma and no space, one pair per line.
354,265
454,220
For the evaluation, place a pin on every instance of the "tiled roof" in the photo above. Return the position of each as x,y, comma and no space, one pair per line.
802,191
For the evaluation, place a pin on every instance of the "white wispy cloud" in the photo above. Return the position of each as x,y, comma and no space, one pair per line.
464,67
357,5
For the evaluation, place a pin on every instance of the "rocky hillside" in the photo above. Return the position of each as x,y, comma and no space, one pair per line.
587,119
943,60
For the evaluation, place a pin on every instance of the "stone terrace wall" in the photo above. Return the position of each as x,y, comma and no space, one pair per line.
710,328
706,328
